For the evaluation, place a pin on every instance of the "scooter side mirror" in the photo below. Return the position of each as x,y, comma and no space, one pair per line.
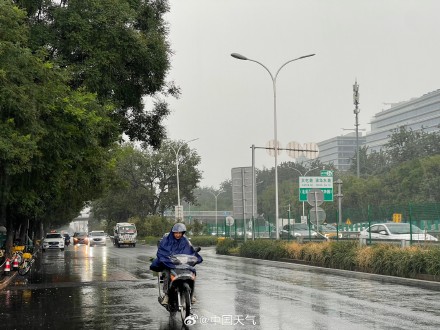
197,249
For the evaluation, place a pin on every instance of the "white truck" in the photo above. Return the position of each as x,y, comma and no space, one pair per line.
125,233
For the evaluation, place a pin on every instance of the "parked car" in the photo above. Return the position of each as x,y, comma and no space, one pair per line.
97,237
397,231
53,241
220,233
239,233
297,230
80,238
329,231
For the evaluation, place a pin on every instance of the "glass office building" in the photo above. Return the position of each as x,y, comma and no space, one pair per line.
340,150
416,114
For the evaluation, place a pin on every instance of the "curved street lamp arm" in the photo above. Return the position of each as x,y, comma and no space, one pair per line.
295,59
311,170
265,67
244,58
216,195
180,147
315,168
297,171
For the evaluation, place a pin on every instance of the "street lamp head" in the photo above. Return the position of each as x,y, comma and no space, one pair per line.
192,140
306,56
239,56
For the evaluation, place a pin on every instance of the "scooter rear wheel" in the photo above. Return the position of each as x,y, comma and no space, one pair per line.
185,301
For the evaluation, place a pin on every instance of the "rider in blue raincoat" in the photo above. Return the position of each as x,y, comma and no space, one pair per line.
173,243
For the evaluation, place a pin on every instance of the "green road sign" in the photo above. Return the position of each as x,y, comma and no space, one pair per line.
307,183
326,173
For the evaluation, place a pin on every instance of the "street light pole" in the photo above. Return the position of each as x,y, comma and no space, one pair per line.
274,79
216,195
304,175
177,172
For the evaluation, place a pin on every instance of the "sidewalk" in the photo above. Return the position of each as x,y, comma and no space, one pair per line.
5,280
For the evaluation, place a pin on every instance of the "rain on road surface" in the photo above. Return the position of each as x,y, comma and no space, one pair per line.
111,288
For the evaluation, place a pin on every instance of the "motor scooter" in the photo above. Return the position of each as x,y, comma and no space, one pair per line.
180,284
66,239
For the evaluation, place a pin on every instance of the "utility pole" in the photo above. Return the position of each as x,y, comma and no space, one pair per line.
356,112
339,196
253,192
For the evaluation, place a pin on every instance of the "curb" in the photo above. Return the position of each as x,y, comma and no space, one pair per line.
420,283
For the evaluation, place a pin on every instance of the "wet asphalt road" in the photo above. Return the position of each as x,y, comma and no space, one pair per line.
111,288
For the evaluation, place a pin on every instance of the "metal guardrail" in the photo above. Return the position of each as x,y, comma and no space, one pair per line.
402,243
348,236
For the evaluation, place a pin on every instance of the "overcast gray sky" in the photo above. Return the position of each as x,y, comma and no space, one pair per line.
390,46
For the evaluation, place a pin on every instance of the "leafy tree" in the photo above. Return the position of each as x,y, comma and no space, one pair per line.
225,201
73,77
197,228
404,145
53,140
152,225
19,134
144,181
430,180
116,49
205,200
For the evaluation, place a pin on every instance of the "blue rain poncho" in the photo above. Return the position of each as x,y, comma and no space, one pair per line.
170,246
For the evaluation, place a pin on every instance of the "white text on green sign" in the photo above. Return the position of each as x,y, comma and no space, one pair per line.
307,183
326,173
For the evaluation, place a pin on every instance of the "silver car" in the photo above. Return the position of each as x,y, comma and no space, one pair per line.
97,237
397,231
297,230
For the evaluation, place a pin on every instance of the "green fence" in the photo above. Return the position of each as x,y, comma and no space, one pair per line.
417,212
426,216
254,228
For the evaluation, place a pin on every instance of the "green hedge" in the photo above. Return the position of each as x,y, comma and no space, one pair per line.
152,240
382,259
263,249
203,240
195,240
343,255
225,246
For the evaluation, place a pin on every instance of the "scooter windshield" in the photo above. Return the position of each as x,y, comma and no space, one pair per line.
184,259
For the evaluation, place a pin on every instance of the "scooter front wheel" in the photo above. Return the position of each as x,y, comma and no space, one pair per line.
24,268
185,301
